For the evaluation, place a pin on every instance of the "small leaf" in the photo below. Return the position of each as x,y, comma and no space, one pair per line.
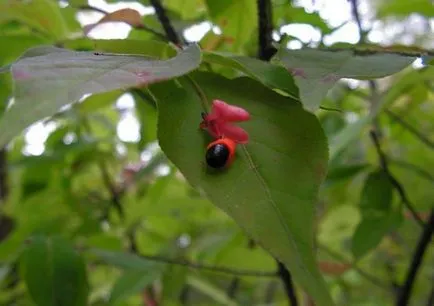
316,71
127,15
54,273
132,282
371,231
270,190
273,76
377,195
47,78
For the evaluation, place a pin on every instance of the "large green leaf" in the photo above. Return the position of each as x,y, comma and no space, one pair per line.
273,76
316,71
271,188
55,274
47,78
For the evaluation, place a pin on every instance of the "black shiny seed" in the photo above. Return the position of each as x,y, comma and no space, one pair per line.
217,156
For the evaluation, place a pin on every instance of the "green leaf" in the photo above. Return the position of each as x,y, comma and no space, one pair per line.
371,231
378,217
55,274
210,290
47,78
405,8
187,9
271,188
286,14
41,15
237,19
132,282
316,71
377,195
273,76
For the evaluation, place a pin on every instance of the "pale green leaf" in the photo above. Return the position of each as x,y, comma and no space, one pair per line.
316,71
47,78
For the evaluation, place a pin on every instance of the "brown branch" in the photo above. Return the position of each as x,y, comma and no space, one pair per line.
410,129
395,183
286,278
265,22
422,246
171,34
265,53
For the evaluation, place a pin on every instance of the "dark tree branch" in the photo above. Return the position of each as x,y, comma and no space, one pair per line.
399,188
265,21
411,129
171,34
265,53
424,241
286,278
356,15
4,190
105,175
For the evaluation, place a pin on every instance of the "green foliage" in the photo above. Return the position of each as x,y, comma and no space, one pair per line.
53,272
89,217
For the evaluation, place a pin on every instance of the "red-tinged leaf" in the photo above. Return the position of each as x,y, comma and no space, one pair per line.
127,15
47,78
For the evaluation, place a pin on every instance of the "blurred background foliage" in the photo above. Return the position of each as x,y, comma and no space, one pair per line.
92,179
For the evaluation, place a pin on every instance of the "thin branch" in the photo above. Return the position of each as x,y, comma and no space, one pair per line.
411,129
111,187
286,278
265,20
198,266
424,241
265,53
356,15
171,34
137,27
373,279
430,301
4,188
399,188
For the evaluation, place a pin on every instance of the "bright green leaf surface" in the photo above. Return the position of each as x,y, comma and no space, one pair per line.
237,19
271,188
273,76
210,290
316,71
52,77
64,279
41,15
